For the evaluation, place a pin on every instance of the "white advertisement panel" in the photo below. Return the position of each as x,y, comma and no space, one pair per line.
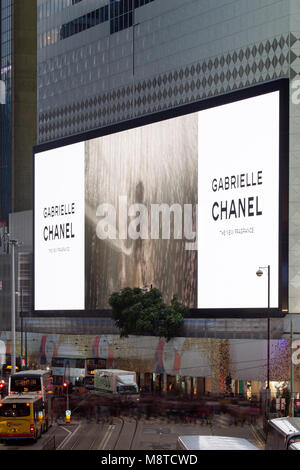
238,203
59,229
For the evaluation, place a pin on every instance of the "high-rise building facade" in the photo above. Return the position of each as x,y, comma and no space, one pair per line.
6,108
18,112
104,62
101,62
18,103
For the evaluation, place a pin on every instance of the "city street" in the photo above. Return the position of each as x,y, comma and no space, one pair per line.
127,433
149,229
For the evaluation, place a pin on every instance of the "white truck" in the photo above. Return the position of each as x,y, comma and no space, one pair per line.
116,382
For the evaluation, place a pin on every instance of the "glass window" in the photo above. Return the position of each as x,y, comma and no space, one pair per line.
84,22
92,364
32,384
57,380
121,13
79,364
14,410
88,20
292,440
57,362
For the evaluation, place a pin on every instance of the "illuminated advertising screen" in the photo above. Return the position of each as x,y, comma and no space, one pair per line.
238,203
188,201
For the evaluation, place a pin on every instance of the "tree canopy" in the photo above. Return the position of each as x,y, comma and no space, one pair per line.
145,313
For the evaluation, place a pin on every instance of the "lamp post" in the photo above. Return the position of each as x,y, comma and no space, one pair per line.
66,387
13,244
22,326
259,273
26,361
292,373
20,295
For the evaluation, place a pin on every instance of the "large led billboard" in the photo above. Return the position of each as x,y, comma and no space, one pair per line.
191,201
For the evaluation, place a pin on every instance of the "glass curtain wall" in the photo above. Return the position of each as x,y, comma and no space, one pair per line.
6,109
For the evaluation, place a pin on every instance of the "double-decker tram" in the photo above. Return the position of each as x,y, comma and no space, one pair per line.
77,371
31,381
34,382
22,417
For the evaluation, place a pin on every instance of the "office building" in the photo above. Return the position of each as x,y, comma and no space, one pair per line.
103,63
18,112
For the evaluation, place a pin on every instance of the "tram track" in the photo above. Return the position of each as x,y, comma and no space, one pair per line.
123,434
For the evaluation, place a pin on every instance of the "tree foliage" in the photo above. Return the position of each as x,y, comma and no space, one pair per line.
145,313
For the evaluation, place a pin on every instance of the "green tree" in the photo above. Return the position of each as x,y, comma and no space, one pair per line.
145,313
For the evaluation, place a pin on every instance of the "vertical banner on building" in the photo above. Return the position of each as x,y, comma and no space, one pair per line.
59,229
238,203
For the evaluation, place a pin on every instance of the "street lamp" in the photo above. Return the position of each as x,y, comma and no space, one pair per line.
259,273
20,295
13,244
66,387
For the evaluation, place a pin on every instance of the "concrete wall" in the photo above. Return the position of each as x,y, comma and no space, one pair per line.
213,359
248,360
